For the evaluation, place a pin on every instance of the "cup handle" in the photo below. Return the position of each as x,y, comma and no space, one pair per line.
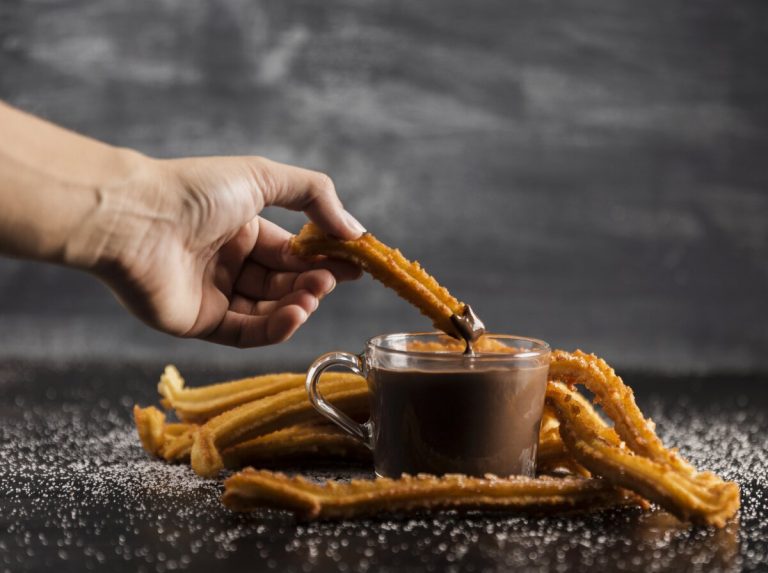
361,432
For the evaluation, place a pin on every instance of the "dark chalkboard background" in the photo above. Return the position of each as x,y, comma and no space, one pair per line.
606,163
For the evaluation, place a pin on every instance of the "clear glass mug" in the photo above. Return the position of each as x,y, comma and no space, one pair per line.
439,411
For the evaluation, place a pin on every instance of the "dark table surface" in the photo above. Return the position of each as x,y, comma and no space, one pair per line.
78,493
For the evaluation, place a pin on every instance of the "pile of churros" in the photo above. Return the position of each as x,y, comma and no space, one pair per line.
583,462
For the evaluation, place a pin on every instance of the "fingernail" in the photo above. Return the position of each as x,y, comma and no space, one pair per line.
353,223
329,290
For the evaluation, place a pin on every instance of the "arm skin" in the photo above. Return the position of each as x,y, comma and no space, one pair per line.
180,242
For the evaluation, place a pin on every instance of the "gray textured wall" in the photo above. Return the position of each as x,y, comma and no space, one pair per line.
606,161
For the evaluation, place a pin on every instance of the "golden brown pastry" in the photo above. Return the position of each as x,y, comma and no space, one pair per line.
251,489
389,266
708,501
200,404
346,391
297,445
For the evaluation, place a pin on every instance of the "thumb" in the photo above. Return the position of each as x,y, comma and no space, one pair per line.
309,191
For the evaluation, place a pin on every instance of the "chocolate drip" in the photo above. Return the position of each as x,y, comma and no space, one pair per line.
469,326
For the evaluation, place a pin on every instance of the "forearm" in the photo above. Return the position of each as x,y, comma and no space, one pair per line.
58,190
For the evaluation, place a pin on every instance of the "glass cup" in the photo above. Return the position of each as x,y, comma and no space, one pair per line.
436,410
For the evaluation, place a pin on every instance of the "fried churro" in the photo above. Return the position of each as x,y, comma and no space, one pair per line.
617,401
552,456
170,441
389,266
150,424
259,417
296,445
201,404
251,489
594,445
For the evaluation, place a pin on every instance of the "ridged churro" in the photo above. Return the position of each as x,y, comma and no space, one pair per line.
594,445
346,391
551,454
390,267
201,404
617,401
150,424
170,441
251,489
294,445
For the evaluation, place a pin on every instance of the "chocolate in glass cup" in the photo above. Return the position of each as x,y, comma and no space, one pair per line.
437,410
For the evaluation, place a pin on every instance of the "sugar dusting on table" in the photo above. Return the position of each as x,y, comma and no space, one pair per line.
78,493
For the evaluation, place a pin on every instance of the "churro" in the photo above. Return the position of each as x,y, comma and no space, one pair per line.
296,445
617,401
390,267
201,404
251,489
170,441
595,446
552,457
252,419
150,425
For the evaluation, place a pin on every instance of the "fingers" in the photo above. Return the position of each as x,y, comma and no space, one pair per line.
245,331
231,257
244,305
273,250
309,191
250,323
257,282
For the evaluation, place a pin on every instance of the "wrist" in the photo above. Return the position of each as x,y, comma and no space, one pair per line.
120,214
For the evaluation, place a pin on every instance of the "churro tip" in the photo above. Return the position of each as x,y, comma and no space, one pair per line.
205,458
250,489
149,424
171,382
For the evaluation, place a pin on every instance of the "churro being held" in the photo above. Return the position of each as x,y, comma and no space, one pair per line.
390,267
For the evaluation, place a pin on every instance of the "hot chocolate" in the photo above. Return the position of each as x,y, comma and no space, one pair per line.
470,421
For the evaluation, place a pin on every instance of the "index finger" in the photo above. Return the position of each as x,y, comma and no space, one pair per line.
311,192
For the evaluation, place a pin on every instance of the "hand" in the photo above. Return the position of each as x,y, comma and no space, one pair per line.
189,254
179,241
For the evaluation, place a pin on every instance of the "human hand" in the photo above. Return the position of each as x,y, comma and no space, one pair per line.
187,252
